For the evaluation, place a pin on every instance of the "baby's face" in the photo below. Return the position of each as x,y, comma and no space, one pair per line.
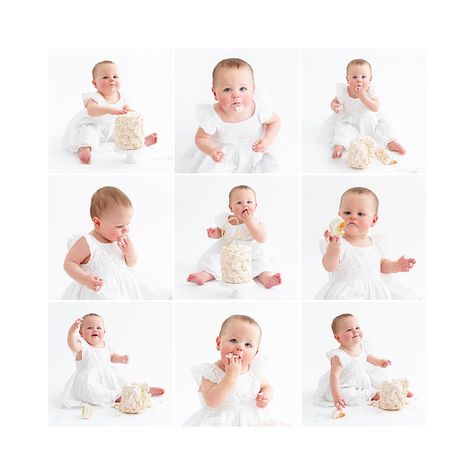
92,330
358,212
107,79
242,201
348,332
114,224
359,76
233,88
240,338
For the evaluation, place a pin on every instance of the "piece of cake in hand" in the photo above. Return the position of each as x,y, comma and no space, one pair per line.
129,131
336,227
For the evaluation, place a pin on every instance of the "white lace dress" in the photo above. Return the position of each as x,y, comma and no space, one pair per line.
235,140
358,275
120,281
96,380
353,120
210,261
358,382
84,130
239,409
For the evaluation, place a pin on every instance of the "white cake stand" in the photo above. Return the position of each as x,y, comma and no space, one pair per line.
130,155
238,289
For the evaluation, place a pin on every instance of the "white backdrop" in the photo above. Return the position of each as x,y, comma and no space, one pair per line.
150,229
147,75
199,199
196,327
402,217
141,330
396,330
399,78
276,73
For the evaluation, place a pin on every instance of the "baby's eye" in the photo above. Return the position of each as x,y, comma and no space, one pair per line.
115,77
347,213
233,340
364,77
247,344
354,77
239,202
227,89
243,89
361,214
249,202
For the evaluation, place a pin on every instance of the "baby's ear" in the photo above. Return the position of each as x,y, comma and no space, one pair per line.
94,83
337,337
375,219
214,92
218,343
96,221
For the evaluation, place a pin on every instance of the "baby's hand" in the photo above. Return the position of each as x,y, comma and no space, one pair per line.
384,363
359,91
339,402
113,111
336,106
94,283
260,145
217,155
405,264
246,216
334,241
126,245
233,367
76,325
214,233
123,359
262,400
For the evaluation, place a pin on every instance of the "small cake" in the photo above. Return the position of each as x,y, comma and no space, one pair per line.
338,413
384,156
134,399
86,411
393,395
231,355
336,227
129,131
360,151
236,263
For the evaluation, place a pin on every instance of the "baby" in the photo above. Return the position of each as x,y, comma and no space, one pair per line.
95,124
95,381
232,391
236,134
357,112
354,378
99,262
355,261
243,224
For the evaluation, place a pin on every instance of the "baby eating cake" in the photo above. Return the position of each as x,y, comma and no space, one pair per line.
129,131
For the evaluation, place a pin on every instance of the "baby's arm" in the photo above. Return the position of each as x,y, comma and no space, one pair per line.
119,359
265,394
371,103
204,142
378,362
128,250
336,369
272,127
333,252
257,230
335,105
395,266
94,109
214,232
72,341
77,254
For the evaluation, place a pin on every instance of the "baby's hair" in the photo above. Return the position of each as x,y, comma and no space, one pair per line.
106,198
358,62
230,63
94,69
240,317
338,318
90,315
242,186
359,190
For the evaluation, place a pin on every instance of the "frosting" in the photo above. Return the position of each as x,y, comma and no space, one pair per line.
236,263
129,131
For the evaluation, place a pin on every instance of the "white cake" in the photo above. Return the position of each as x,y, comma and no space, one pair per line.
336,227
134,399
236,263
129,131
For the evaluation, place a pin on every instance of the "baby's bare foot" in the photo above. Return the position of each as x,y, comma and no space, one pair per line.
410,394
151,139
85,154
268,280
156,391
337,151
200,278
375,397
395,146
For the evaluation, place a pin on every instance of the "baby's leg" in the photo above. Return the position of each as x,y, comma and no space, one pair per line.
269,279
344,133
200,277
337,151
156,391
84,154
151,139
395,146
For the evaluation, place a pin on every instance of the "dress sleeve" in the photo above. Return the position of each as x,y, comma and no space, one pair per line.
381,244
265,109
207,118
207,371
221,219
95,96
338,353
72,239
367,346
341,91
372,92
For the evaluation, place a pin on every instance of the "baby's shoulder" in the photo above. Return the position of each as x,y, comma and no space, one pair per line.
207,118
264,108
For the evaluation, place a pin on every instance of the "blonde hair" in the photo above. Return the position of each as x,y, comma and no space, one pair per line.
358,62
91,315
105,199
94,69
338,318
242,186
241,317
360,190
230,63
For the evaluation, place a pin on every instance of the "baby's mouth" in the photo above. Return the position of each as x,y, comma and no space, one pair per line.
231,355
